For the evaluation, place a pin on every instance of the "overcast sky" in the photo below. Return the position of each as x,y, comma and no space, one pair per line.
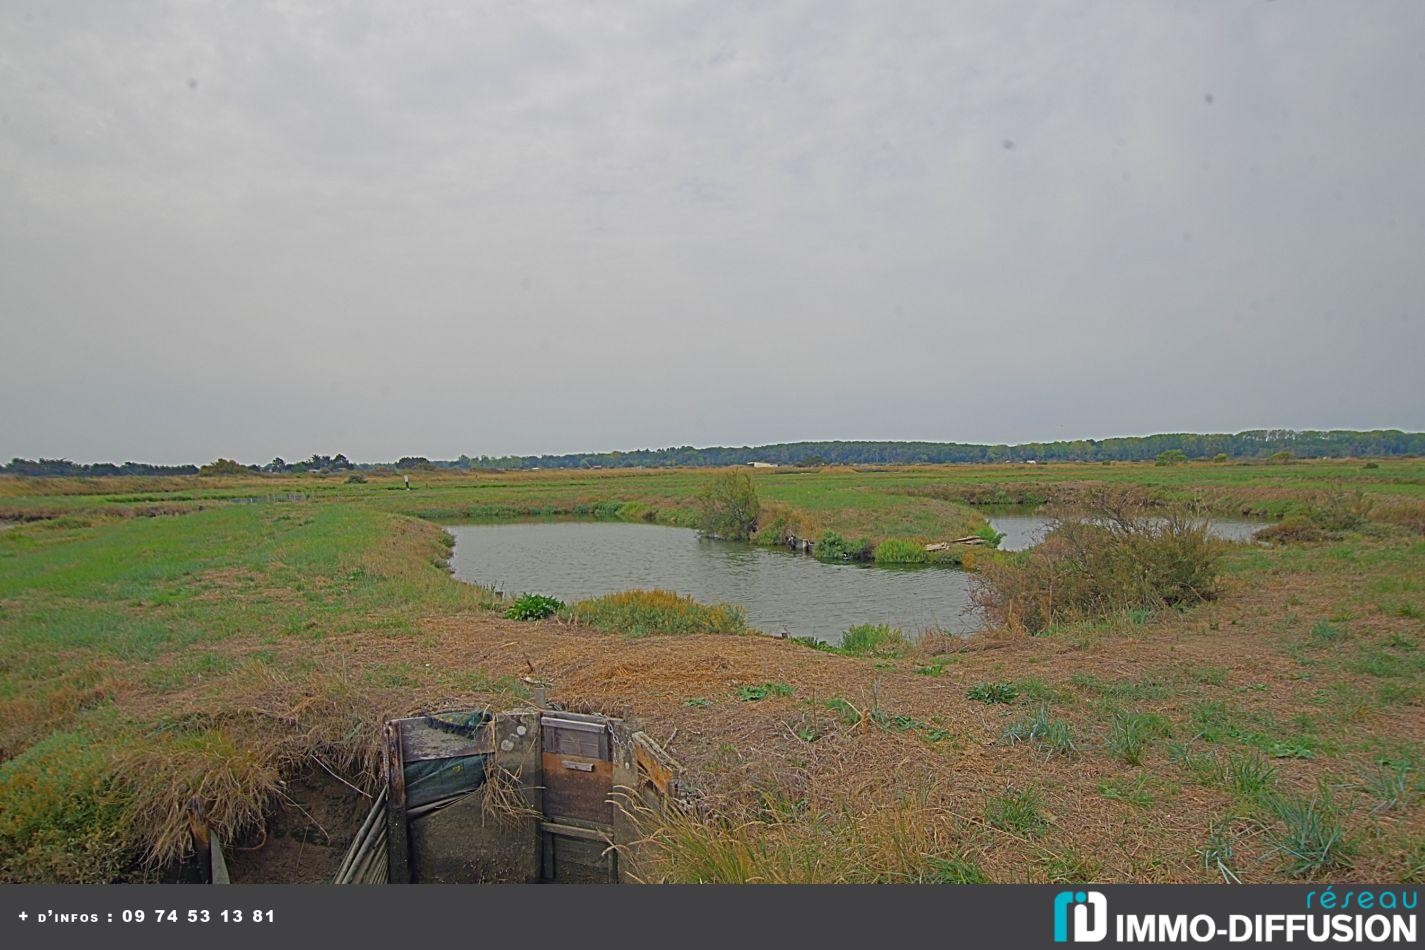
252,229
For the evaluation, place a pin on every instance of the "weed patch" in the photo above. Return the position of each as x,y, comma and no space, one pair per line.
1131,733
1052,735
1311,837
759,691
992,693
1019,811
534,607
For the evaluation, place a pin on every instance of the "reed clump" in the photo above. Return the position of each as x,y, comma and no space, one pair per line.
641,613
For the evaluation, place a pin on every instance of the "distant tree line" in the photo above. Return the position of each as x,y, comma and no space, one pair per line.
1252,444
20,466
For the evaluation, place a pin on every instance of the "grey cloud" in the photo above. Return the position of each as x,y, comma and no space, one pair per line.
253,229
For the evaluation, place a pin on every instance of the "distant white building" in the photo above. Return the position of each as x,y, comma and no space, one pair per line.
763,464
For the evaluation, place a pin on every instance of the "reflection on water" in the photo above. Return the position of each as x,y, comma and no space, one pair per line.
779,591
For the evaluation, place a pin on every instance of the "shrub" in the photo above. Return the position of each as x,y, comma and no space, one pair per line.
728,507
991,693
1120,560
223,467
870,639
833,547
356,478
534,607
1292,529
639,613
989,535
1342,511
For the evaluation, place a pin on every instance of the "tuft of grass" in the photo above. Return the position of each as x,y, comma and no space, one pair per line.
1311,838
1213,721
1218,850
870,639
641,613
1132,733
900,551
1204,768
1122,690
1133,793
848,714
1209,675
991,693
1381,663
1251,779
757,692
1069,868
1049,733
807,728
1392,785
953,869
1414,869
1324,633
1040,691
1020,811
697,702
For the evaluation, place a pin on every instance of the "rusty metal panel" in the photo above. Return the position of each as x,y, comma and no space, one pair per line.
579,787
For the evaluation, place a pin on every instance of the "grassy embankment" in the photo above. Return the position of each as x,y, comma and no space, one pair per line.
1270,733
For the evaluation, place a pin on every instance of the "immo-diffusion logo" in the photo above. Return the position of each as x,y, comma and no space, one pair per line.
1090,916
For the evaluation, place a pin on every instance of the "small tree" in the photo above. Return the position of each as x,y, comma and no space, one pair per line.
1172,457
222,467
728,506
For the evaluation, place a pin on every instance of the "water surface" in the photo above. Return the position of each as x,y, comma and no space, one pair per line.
1023,528
779,591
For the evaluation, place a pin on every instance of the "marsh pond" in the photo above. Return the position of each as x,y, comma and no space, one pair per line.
780,592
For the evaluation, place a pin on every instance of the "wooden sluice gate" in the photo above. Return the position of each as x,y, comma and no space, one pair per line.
527,795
